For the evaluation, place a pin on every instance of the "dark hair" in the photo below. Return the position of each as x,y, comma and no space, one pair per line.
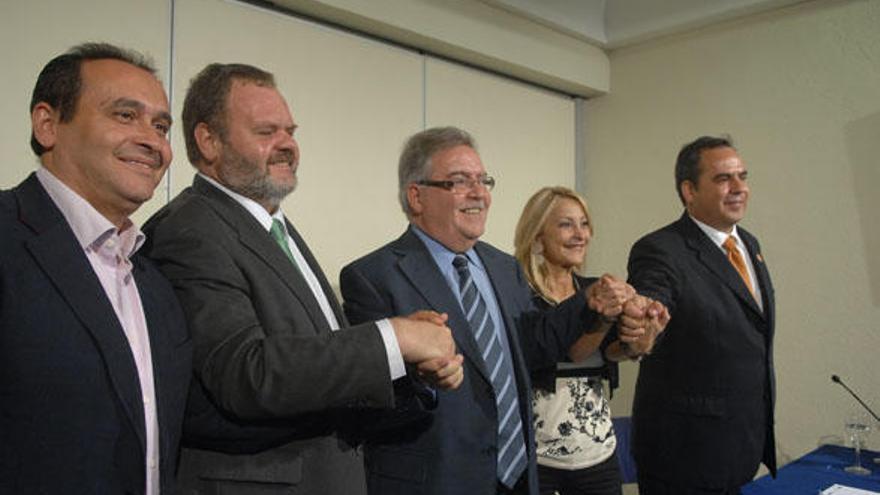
687,165
415,159
60,82
206,100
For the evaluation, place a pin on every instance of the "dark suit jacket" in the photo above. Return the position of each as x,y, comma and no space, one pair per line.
703,408
71,410
451,450
264,352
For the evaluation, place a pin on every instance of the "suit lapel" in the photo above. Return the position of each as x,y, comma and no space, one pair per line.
714,259
761,273
162,348
420,269
252,236
500,275
319,274
57,252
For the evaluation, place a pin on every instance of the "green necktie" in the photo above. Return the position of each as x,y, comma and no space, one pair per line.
280,235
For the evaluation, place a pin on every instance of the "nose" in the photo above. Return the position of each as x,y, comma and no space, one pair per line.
477,189
154,142
738,185
289,143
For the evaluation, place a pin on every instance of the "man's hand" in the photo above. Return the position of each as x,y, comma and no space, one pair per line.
443,372
641,321
423,336
633,320
425,340
607,296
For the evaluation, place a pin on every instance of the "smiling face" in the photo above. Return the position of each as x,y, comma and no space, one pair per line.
721,195
566,234
114,150
258,156
456,220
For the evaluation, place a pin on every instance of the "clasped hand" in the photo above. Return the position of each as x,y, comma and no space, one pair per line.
640,319
426,341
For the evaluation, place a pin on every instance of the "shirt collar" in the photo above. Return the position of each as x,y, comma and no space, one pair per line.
90,227
717,236
254,208
442,254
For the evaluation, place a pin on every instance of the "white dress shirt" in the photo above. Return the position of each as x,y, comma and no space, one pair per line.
396,365
718,237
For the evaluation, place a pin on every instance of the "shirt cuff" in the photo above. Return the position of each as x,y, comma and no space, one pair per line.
392,349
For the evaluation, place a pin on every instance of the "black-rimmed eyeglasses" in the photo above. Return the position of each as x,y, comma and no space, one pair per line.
460,185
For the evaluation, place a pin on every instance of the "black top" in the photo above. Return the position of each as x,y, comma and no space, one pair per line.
545,378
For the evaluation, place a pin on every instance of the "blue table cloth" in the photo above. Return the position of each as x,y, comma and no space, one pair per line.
816,471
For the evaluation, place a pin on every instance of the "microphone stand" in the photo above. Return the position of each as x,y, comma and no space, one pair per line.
836,379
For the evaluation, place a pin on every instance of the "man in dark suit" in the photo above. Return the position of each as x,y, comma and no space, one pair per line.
94,353
703,408
479,439
271,345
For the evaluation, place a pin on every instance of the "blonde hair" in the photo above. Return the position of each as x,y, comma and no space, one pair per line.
529,227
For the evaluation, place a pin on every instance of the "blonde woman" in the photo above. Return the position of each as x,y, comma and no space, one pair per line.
576,442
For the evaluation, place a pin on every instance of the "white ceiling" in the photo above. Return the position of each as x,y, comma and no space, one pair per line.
616,23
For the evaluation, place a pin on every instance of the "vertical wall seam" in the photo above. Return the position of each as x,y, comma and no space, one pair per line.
424,91
170,84
580,159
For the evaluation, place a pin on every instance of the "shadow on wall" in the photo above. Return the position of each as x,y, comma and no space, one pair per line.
862,137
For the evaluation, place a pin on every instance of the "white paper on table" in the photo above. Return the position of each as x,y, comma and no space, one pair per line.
846,490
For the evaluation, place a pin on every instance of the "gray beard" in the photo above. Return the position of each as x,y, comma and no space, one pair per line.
246,178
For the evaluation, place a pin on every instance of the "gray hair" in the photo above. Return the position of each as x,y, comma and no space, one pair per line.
415,159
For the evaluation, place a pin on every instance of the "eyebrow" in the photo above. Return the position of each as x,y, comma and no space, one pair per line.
263,124
462,173
140,107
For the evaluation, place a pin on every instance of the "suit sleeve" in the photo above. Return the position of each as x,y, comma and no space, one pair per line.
363,301
250,367
652,272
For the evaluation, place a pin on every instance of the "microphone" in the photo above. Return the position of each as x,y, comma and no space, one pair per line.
836,379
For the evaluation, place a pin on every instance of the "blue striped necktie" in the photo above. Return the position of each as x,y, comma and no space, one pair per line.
511,445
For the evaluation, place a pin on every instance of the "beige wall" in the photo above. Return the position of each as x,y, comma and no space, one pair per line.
31,33
799,90
355,99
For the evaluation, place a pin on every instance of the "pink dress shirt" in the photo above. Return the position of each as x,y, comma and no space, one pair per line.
108,249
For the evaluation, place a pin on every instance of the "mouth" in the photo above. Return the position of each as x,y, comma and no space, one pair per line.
472,210
285,166
144,162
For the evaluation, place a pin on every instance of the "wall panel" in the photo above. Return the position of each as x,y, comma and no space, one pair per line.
525,136
354,100
32,33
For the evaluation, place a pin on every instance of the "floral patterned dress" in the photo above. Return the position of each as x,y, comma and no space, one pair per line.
573,426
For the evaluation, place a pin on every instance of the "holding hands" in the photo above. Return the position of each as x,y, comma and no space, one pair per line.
607,296
640,319
426,341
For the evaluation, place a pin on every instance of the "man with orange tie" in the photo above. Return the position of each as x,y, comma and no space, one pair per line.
703,407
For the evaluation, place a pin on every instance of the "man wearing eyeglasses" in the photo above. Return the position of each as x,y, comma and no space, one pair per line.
478,439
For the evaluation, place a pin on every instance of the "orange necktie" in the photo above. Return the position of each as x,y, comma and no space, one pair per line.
737,261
